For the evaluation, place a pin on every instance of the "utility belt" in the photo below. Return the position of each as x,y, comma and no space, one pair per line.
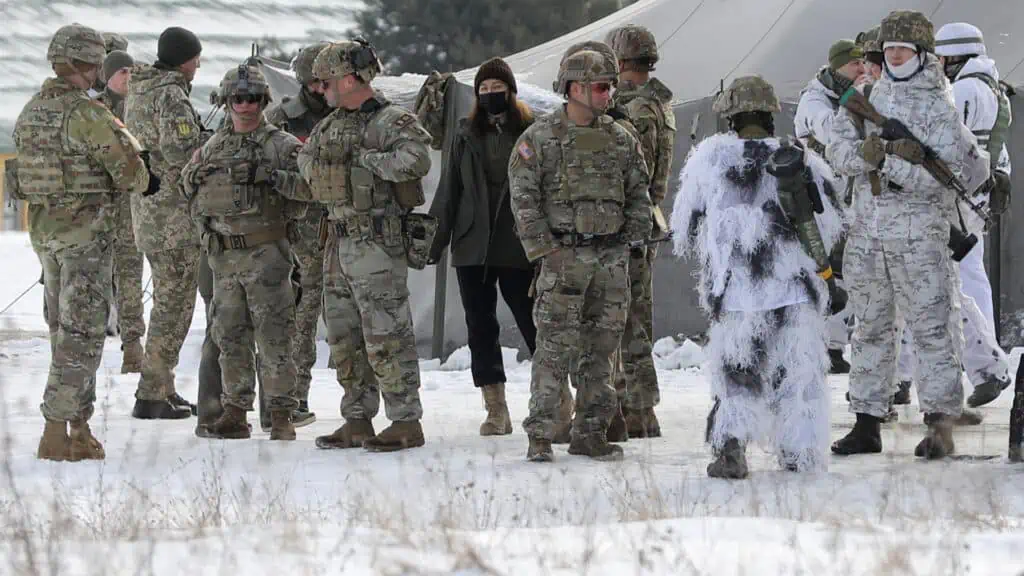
217,243
578,239
411,234
386,229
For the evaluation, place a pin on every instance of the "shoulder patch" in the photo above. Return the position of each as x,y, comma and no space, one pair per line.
404,120
184,129
525,151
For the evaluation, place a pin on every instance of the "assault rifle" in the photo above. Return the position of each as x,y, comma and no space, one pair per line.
893,129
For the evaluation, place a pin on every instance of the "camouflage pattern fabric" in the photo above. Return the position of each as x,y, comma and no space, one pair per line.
908,26
113,41
633,42
208,398
896,256
429,106
559,174
746,94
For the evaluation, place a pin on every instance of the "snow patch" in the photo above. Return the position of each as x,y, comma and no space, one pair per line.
671,354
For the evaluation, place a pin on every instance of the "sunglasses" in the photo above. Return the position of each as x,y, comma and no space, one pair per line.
601,87
247,99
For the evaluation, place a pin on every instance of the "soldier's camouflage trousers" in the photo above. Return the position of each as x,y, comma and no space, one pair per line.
174,300
253,302
208,402
580,308
915,278
77,291
370,330
304,235
636,380
128,275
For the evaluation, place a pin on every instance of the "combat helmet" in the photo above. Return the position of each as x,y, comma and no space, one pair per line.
113,41
244,80
868,40
959,39
633,42
908,26
343,58
746,94
76,43
584,66
302,64
600,47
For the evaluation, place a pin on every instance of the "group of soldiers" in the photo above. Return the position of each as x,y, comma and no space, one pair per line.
305,207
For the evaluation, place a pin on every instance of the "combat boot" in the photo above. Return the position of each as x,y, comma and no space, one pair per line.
177,401
969,418
498,421
131,359
987,391
231,425
55,443
351,434
730,461
84,446
398,436
938,442
595,446
563,421
539,450
902,396
839,364
865,438
159,410
281,426
301,416
642,423
617,427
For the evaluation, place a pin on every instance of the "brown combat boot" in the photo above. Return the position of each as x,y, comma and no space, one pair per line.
938,443
398,436
563,421
55,443
642,423
131,359
498,421
84,446
352,434
539,450
281,427
617,427
232,425
730,461
595,446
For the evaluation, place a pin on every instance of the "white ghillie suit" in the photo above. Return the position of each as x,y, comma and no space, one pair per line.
767,348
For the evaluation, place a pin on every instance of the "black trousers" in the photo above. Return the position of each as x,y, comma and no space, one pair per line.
478,287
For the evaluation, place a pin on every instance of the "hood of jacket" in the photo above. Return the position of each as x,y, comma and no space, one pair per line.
980,65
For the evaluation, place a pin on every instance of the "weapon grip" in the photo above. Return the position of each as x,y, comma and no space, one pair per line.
813,193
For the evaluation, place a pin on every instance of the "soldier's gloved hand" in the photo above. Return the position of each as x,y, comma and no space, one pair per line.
872,149
907,149
638,252
154,182
836,295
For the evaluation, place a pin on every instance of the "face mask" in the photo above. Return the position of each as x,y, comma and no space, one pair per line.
952,69
494,103
905,70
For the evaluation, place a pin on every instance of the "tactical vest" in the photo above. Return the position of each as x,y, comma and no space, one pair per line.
49,165
337,181
227,189
591,178
993,139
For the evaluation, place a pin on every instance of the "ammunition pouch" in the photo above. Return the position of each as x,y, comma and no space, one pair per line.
960,244
361,188
329,184
11,179
228,191
594,183
418,231
409,194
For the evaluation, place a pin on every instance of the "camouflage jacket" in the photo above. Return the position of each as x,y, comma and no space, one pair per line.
220,202
649,110
158,112
380,137
563,177
296,116
94,146
113,101
911,203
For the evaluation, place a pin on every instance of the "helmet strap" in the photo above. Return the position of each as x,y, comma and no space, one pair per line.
589,104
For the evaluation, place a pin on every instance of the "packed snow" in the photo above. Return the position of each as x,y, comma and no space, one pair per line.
166,502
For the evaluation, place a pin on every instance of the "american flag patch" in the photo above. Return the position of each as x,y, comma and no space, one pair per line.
525,151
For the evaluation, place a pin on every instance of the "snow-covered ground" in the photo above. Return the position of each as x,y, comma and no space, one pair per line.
166,502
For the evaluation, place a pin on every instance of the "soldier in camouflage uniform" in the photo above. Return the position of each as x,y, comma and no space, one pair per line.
365,163
159,113
127,258
234,198
579,195
647,103
897,257
298,116
74,157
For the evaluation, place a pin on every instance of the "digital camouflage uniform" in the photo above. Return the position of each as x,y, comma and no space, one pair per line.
242,216
74,158
579,195
648,107
158,112
298,116
365,167
897,260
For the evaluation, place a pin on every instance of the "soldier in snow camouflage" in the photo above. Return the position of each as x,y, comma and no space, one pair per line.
74,158
158,112
579,194
647,103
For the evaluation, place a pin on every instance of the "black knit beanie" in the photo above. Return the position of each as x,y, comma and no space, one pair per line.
497,69
177,46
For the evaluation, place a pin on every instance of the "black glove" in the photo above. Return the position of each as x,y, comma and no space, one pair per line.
296,280
154,182
836,295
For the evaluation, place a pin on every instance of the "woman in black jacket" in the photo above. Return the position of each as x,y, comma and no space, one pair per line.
475,216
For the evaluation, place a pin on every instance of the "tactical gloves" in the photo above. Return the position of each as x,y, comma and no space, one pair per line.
872,149
836,295
154,182
907,149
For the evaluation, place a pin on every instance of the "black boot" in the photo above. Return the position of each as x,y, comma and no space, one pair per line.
176,400
865,438
839,364
159,410
902,396
730,461
987,391
938,443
